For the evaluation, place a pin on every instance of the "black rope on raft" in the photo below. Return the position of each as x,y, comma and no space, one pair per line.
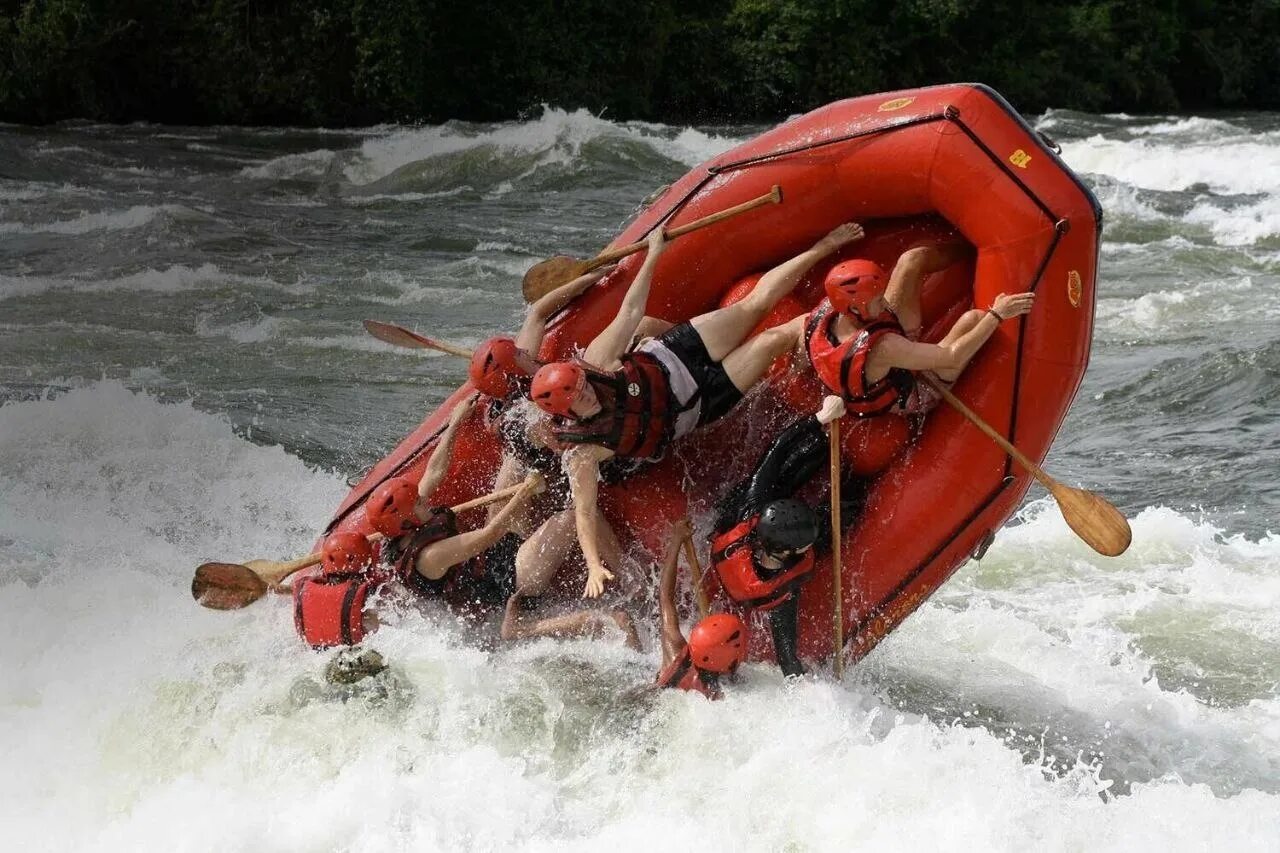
835,140
714,171
1044,208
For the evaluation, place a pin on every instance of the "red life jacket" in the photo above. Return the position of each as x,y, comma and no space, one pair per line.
328,609
743,578
842,366
683,675
637,410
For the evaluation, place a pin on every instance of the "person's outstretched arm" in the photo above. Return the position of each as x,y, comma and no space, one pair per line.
433,476
437,558
534,328
608,347
896,351
583,465
783,625
672,638
783,277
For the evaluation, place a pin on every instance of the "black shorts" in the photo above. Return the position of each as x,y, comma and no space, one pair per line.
715,389
499,581
485,582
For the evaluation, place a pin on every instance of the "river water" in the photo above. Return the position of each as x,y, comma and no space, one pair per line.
183,377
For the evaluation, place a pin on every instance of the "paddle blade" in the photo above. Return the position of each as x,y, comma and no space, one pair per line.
544,277
392,334
226,586
1103,527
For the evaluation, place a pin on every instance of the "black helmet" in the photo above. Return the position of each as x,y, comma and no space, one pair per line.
787,525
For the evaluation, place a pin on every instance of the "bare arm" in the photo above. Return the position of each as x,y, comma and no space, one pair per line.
610,344
672,638
784,276
583,465
433,476
510,472
530,336
437,558
896,351
913,267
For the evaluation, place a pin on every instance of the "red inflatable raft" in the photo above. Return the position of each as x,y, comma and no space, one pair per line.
913,167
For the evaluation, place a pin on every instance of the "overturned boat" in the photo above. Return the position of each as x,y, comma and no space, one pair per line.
913,167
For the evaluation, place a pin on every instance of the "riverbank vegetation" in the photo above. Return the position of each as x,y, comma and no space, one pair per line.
359,62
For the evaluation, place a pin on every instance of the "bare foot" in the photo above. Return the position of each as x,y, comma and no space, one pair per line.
628,626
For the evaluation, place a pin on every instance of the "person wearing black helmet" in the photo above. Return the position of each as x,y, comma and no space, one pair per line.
764,542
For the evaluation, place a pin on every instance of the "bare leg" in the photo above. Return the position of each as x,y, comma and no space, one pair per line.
725,328
967,321
542,554
651,327
583,623
746,364
907,279
673,641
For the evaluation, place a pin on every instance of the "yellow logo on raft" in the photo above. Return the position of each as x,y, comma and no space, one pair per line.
1075,288
895,104
1020,158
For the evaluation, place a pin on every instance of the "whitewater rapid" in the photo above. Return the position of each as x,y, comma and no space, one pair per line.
182,378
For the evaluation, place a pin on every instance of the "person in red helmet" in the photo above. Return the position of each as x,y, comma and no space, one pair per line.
765,542
716,645
466,569
862,340
423,549
502,368
616,402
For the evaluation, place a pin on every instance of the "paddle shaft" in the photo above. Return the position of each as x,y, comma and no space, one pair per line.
292,566
954,402
837,591
695,570
774,196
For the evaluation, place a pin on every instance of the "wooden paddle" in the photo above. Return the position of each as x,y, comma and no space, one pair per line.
1103,527
546,276
837,591
401,337
695,572
230,586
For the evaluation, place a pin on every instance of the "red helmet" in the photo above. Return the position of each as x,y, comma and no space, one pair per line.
556,386
345,553
390,508
851,285
491,365
718,643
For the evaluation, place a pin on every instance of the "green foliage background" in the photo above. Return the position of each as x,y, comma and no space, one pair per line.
345,62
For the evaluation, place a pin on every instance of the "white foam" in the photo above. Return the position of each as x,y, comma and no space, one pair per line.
306,165
253,331
137,216
174,279
1225,165
133,717
1240,225
1188,126
557,136
32,190
1180,311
